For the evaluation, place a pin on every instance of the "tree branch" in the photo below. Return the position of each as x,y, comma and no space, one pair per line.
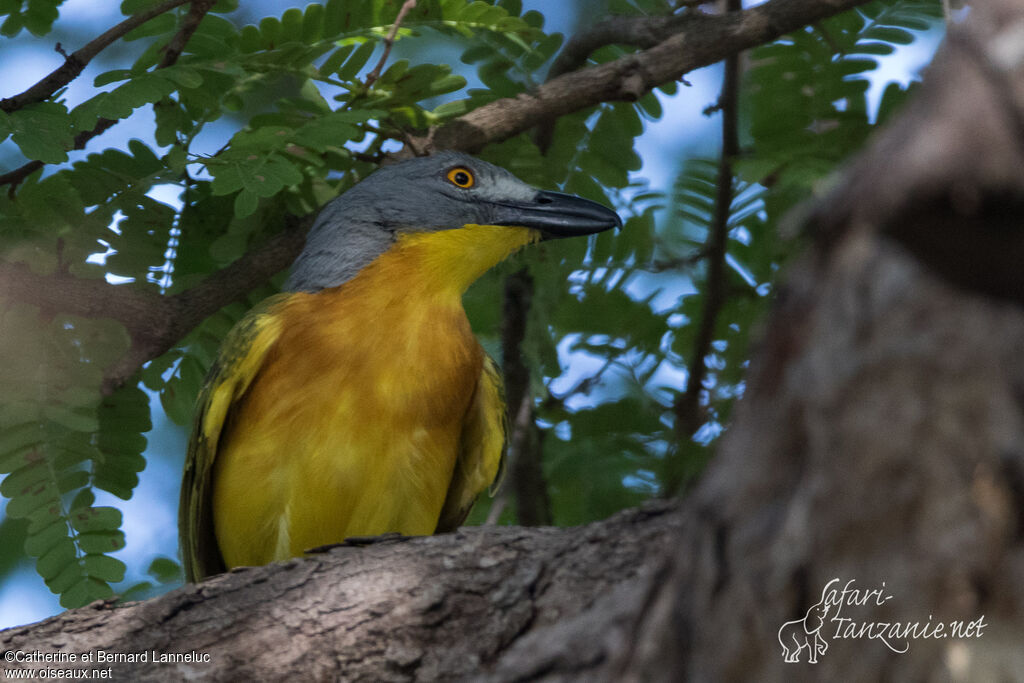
386,611
176,46
642,32
389,42
79,59
13,178
688,405
155,323
699,41
525,472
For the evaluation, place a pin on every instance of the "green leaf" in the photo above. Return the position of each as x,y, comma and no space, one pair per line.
45,495
99,542
157,26
52,562
83,500
40,16
129,7
14,441
184,76
23,480
96,519
357,61
104,568
42,131
40,543
83,592
336,59
141,90
245,203
70,575
112,76
165,570
75,419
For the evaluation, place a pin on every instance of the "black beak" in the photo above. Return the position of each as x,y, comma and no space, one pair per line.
557,215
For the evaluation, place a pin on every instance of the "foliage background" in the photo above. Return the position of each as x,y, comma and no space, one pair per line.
157,207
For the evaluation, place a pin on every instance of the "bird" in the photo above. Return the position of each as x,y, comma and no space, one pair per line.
358,402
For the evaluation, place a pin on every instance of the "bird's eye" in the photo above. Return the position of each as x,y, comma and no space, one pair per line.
460,176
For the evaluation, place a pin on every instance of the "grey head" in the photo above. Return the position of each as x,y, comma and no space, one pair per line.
446,191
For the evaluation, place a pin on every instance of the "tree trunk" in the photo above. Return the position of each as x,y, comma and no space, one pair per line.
879,447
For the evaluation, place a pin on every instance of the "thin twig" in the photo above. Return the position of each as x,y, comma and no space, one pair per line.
497,507
678,263
584,386
77,60
389,41
688,406
687,4
528,489
176,46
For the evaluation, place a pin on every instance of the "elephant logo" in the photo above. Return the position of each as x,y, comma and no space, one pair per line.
800,634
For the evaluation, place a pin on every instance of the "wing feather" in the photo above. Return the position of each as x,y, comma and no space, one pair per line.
481,461
239,361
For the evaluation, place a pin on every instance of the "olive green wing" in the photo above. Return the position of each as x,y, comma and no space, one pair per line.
481,461
238,362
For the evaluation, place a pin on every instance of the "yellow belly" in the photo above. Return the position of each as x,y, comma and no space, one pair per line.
351,428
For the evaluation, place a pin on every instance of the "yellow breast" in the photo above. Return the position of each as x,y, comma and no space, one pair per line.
352,425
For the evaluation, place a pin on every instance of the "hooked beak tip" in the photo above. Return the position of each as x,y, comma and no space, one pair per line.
559,215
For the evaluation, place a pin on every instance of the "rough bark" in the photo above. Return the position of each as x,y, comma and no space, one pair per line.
435,608
881,439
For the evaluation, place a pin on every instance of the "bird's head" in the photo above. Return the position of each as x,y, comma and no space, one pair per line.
448,191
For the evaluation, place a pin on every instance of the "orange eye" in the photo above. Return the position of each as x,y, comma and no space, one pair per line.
460,176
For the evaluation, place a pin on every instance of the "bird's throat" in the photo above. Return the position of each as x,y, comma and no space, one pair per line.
449,261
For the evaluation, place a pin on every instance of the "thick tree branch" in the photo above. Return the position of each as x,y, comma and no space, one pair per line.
642,32
79,59
431,608
701,40
155,323
176,316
